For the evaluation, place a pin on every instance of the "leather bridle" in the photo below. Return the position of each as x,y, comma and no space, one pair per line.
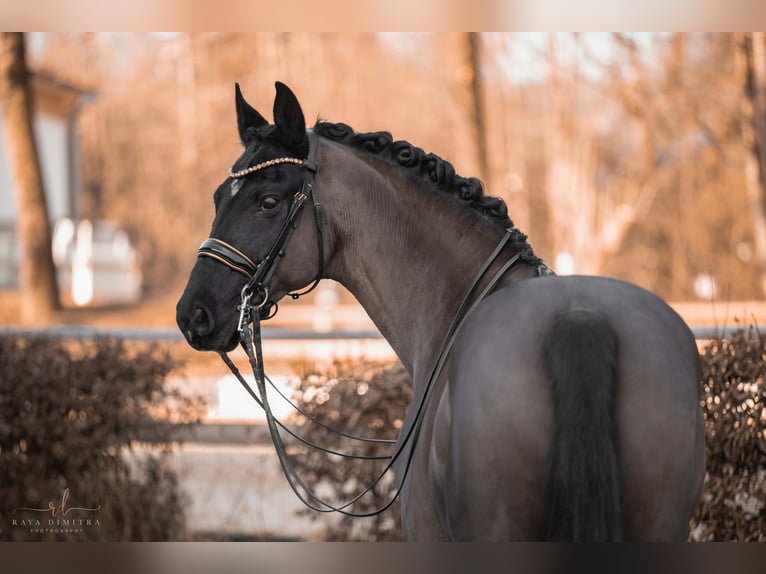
261,273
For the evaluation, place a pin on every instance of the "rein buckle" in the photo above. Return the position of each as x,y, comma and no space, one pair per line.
245,309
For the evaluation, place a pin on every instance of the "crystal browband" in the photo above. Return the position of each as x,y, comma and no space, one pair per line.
265,164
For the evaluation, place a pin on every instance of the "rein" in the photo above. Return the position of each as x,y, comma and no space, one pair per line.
251,342
249,327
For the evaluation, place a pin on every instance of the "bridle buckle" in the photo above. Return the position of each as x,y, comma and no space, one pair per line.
245,307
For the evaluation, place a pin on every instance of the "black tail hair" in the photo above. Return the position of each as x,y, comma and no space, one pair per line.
584,501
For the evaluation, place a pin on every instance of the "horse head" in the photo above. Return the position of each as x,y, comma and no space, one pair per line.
257,212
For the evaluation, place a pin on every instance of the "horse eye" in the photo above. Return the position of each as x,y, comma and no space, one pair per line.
269,203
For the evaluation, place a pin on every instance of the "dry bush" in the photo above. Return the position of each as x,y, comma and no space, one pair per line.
68,412
733,399
365,398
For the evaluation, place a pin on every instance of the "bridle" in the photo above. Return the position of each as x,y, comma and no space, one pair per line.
252,312
260,274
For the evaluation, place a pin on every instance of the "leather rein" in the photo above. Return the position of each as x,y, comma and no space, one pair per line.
252,311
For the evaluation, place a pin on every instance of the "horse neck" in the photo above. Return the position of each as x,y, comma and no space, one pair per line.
407,255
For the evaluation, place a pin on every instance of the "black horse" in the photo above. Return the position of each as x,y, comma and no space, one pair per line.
555,408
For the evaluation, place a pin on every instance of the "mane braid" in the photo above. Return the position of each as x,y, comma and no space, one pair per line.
435,171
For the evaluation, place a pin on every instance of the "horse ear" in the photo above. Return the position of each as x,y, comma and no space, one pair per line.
247,117
288,117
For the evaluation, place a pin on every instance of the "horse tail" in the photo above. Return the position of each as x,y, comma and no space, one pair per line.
584,501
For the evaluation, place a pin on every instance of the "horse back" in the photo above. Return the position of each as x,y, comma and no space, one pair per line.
495,423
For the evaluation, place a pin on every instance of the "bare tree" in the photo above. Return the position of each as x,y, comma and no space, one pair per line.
752,55
603,141
629,160
39,291
474,61
571,163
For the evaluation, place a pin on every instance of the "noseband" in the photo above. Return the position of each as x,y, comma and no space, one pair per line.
260,274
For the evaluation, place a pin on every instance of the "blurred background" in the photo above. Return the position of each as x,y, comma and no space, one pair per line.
631,155
641,156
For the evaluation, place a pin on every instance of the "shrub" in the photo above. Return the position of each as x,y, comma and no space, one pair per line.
365,398
733,398
68,414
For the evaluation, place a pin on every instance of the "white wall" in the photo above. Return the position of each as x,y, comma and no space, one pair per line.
53,147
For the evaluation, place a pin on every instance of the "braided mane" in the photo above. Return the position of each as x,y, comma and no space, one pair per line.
435,171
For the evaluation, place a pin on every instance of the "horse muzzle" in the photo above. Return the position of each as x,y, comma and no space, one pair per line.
202,330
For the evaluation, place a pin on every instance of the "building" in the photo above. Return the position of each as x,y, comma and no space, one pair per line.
56,106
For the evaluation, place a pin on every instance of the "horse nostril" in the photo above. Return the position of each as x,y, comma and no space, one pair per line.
201,322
